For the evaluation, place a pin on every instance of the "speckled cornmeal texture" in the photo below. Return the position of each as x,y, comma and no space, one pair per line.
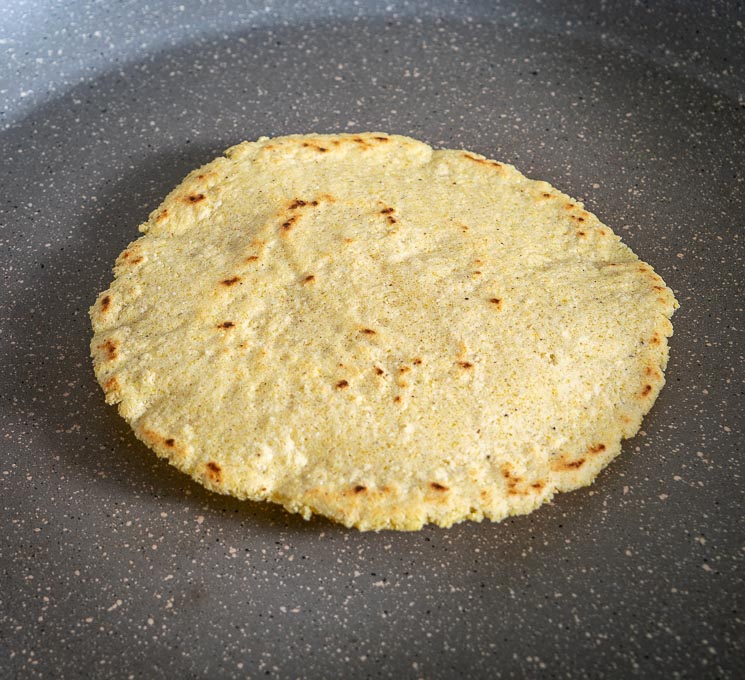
361,327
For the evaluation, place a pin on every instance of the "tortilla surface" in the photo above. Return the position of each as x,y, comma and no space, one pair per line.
361,327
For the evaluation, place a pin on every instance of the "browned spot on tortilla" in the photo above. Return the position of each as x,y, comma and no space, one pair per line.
497,302
368,331
297,203
226,325
404,369
482,161
563,465
252,258
170,442
162,215
136,260
214,471
111,385
659,287
656,339
382,139
569,206
465,364
194,198
438,487
417,361
360,489
597,448
309,279
231,281
310,145
546,195
287,224
110,348
105,302
626,419
386,211
580,233
379,371
397,399
538,486
342,385
647,389
392,219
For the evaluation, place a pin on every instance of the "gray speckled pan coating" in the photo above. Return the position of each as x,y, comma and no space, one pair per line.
116,565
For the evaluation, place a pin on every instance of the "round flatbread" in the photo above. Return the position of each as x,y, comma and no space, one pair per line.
362,327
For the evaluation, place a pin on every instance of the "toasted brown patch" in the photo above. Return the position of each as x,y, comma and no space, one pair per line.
342,385
287,224
438,487
378,370
310,145
360,489
170,442
655,339
481,161
497,302
597,448
417,361
194,198
297,203
382,139
251,258
397,399
646,390
226,325
214,471
538,486
404,369
564,465
110,348
105,303
111,385
464,364
231,281
387,211
162,215
368,331
309,279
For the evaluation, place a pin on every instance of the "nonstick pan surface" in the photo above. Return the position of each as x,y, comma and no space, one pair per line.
116,565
